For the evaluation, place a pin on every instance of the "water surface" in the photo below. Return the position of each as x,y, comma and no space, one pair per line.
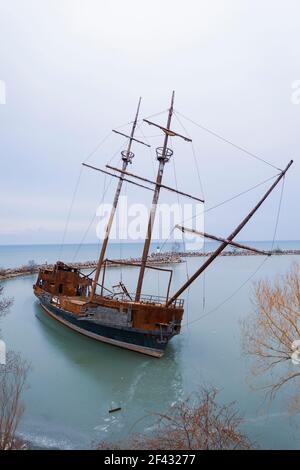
74,381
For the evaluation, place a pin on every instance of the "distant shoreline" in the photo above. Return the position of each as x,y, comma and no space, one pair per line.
155,259
135,242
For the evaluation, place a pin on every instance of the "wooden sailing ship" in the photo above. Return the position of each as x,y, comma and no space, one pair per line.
142,323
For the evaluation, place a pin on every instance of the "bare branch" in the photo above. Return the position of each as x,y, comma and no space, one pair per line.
270,331
12,383
199,423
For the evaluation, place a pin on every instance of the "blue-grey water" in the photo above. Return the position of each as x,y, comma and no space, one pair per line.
74,381
12,256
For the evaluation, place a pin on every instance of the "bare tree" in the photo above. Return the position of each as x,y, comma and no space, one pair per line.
199,422
12,382
5,303
271,333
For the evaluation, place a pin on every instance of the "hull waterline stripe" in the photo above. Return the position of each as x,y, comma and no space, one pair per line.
121,344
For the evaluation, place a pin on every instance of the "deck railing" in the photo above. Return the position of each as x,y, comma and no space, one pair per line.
148,299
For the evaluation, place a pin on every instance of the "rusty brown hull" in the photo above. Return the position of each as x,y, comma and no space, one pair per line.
145,326
99,327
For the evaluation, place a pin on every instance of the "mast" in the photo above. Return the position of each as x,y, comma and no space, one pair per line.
127,156
163,156
229,239
220,239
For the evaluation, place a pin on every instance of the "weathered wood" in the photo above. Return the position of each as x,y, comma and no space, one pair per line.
159,176
69,291
219,239
130,137
168,131
148,266
153,182
113,410
116,176
126,161
65,280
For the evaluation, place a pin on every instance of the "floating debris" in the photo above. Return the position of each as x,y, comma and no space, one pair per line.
113,410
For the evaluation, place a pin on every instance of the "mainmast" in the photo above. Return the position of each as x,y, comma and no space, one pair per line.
127,157
163,156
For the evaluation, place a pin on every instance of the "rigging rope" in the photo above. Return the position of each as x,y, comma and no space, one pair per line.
231,295
231,198
69,213
76,189
204,198
256,270
149,148
154,115
178,202
250,154
220,204
182,234
94,216
194,155
91,222
204,281
97,147
123,223
278,212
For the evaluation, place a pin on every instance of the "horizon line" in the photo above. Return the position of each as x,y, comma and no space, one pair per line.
136,242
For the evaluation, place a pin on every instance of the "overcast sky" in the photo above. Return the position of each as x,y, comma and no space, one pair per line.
73,70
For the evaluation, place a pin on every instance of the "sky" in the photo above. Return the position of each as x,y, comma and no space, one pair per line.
71,71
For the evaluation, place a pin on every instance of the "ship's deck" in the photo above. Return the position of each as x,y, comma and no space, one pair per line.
159,301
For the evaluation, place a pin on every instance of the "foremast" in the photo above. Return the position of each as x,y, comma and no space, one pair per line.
127,157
